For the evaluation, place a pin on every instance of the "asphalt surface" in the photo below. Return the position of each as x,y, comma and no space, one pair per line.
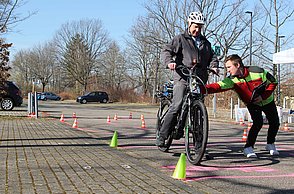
45,155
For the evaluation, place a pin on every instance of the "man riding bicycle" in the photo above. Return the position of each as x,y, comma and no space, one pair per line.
188,49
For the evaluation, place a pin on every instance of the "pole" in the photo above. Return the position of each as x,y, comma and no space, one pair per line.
250,41
279,72
214,100
156,74
232,109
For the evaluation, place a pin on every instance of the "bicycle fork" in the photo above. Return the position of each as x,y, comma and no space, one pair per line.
188,118
184,115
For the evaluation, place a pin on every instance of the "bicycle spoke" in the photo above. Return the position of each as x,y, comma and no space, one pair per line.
197,133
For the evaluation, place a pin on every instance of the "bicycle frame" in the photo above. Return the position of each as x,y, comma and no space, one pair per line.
191,95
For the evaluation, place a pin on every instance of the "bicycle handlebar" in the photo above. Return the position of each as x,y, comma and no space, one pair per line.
182,68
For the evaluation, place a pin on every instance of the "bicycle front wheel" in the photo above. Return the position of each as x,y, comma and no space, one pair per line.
196,133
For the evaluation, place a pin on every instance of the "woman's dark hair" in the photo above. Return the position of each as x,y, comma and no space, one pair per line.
235,59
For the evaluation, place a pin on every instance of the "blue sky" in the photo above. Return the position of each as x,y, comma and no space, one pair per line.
117,17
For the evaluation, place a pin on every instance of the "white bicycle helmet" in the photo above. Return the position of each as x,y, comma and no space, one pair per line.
196,17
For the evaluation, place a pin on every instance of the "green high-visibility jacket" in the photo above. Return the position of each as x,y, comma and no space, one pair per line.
244,85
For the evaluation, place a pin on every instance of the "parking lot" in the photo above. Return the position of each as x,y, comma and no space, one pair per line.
228,172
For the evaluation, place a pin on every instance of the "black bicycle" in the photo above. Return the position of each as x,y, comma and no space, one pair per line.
193,118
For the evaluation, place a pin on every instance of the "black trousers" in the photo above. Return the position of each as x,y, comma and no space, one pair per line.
271,113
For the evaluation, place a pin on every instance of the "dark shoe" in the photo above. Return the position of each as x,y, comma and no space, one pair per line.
160,141
179,135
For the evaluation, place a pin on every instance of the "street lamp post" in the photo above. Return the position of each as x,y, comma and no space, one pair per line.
279,72
250,41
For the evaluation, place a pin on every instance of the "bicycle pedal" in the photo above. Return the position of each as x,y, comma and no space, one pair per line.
178,136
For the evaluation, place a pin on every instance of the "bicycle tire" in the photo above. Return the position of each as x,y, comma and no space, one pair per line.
197,133
160,119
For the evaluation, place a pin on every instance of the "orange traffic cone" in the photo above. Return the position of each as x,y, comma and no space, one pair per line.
244,138
142,117
241,121
75,124
74,115
131,116
115,117
108,119
31,115
143,124
286,128
249,126
62,118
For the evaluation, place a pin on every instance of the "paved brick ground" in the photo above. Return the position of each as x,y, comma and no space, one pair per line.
46,156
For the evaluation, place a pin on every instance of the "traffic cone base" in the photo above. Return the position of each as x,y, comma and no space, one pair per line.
108,119
130,116
143,124
286,128
113,142
180,170
62,118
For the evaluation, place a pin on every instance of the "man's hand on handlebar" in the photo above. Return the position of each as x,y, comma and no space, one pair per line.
214,70
172,66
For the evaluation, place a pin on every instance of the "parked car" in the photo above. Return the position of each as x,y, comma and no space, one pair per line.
41,96
96,96
11,96
49,96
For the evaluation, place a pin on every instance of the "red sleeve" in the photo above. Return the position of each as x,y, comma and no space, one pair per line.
269,90
211,88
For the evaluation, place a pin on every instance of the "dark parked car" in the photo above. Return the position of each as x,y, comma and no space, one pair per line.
41,96
48,96
97,96
11,96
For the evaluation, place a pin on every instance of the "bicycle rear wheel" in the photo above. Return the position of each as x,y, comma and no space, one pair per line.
160,119
197,133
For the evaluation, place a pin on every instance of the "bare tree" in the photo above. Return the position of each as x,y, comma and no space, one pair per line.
21,71
277,15
113,67
43,62
142,54
35,64
8,17
94,39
